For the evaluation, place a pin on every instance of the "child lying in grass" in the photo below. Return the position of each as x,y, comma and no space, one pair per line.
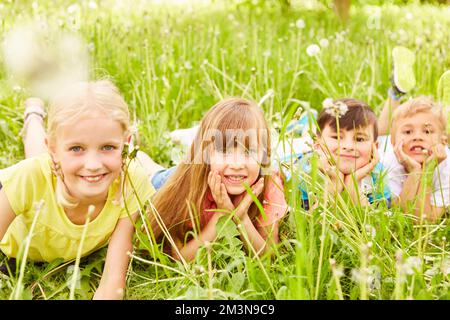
419,167
229,157
416,154
347,155
74,176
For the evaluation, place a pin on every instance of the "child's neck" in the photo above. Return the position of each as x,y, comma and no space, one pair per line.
78,214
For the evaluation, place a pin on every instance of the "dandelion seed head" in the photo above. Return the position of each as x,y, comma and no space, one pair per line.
335,109
300,24
324,43
17,88
357,276
267,53
45,60
92,5
312,50
73,8
371,231
338,271
411,265
199,270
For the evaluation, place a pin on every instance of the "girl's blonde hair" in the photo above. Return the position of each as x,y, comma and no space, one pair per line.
79,101
418,105
187,187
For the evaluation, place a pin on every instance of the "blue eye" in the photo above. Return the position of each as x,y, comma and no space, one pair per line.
75,149
109,148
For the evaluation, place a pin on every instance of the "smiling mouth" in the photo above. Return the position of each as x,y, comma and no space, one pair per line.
418,150
348,156
234,179
93,178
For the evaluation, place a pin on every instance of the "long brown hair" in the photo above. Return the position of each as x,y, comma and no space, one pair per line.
187,187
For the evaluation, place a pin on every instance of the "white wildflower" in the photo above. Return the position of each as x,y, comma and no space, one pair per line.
371,230
312,50
338,271
92,5
419,41
72,8
300,24
324,43
336,109
358,276
411,265
17,88
409,16
267,53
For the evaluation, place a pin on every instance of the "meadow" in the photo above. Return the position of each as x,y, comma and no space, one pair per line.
173,62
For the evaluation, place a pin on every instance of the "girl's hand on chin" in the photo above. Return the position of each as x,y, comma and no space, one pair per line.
219,191
247,200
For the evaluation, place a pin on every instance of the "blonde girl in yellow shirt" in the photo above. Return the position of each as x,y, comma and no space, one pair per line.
75,167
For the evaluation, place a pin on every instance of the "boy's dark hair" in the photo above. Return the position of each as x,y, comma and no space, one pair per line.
359,114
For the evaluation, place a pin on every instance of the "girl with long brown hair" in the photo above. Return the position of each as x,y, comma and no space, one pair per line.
226,168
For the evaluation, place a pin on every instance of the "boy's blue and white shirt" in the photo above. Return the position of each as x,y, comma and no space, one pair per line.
397,175
374,185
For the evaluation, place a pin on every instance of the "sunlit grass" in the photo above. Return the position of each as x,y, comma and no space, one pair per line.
172,64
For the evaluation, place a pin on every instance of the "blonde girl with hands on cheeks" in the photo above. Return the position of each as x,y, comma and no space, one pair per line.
75,168
229,156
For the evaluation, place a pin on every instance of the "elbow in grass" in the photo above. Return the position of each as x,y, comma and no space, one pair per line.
431,216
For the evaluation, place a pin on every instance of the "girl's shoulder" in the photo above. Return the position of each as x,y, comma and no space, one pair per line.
275,186
35,168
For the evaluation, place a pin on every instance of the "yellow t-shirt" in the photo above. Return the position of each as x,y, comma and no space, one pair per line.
55,236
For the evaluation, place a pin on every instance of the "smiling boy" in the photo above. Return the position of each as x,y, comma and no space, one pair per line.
347,151
418,169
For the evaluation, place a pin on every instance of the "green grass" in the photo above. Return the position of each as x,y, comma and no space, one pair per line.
172,64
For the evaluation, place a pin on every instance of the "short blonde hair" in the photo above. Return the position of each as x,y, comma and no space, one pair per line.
417,105
84,100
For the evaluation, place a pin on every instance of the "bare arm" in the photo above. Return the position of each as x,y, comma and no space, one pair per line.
260,238
209,233
33,131
414,191
7,214
417,185
112,283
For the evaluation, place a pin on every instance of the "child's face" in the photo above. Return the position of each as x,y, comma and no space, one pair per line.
352,151
237,167
89,153
419,134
